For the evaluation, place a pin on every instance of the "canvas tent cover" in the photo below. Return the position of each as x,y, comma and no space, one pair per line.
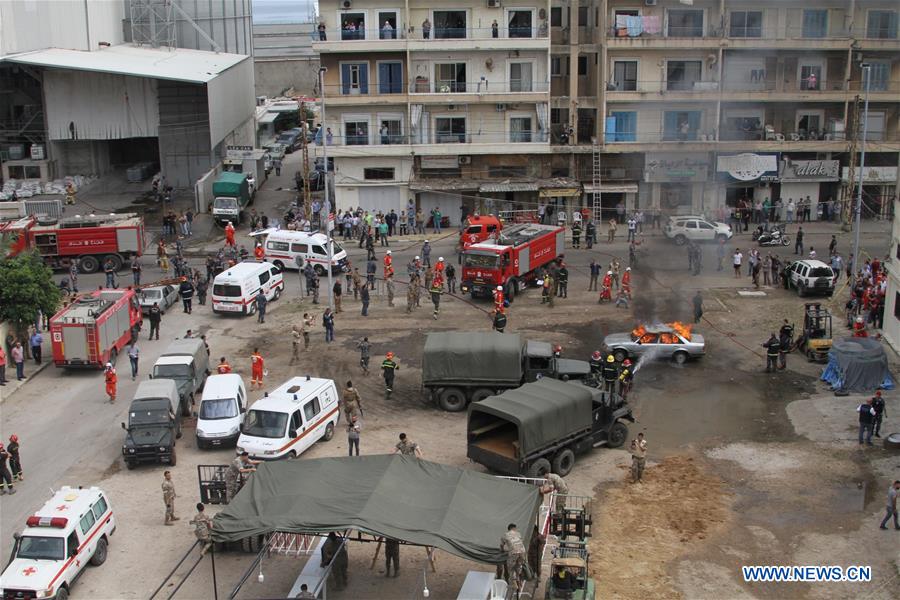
857,365
401,497
543,411
472,357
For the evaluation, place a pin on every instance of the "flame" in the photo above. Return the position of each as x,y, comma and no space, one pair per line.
682,329
639,331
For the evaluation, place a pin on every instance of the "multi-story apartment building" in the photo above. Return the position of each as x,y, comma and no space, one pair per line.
671,105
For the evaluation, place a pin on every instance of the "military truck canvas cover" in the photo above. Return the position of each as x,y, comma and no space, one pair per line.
543,411
472,357
400,497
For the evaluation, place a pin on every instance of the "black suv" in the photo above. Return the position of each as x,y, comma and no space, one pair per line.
150,434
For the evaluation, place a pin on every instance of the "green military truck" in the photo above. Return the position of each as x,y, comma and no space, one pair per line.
463,367
540,427
154,423
231,195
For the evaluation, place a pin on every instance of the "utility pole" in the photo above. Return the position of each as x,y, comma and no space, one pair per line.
304,146
847,190
322,71
866,68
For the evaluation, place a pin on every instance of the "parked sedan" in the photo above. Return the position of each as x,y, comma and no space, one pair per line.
675,341
165,296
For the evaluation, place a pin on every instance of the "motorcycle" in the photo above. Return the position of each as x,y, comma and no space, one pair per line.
776,237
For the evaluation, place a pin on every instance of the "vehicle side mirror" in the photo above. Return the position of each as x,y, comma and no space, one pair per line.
124,426
150,375
243,409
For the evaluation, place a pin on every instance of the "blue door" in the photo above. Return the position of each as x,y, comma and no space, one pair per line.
355,78
390,78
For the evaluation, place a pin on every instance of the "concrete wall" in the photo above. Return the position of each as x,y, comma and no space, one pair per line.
231,100
184,148
892,323
275,76
81,157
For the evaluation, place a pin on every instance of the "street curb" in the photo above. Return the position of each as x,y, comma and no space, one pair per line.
6,393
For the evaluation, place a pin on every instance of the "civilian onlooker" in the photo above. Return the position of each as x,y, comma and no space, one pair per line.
18,356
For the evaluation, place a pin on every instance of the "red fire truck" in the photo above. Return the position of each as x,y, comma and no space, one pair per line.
92,239
513,261
479,228
94,328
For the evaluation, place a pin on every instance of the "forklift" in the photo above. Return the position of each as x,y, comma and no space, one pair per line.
816,338
569,574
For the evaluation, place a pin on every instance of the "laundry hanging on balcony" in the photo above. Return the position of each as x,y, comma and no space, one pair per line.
543,110
415,117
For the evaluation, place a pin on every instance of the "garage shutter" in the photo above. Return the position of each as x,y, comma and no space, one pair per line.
447,202
380,198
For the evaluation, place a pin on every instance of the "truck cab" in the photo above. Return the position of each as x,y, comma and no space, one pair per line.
540,362
154,424
231,195
186,362
69,532
479,228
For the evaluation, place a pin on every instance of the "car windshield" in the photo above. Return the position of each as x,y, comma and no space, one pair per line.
479,261
821,272
152,294
154,416
266,424
337,249
171,371
225,203
39,547
227,291
220,408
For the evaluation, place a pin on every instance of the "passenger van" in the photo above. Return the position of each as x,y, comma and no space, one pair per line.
283,246
287,421
235,289
222,409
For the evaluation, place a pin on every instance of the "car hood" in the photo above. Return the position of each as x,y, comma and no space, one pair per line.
568,366
148,436
218,427
14,576
617,339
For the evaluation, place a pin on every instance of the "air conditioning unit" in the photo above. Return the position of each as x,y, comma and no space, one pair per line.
650,2
261,100
493,3
500,107
451,107
464,160
349,3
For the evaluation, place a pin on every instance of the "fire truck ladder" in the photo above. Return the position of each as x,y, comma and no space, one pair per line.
595,180
92,343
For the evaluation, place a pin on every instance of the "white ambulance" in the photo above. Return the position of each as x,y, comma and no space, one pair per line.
71,530
287,421
283,246
235,289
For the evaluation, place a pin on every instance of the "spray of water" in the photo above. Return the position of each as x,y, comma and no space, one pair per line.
648,356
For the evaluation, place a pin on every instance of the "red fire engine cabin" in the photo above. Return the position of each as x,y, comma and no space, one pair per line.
93,329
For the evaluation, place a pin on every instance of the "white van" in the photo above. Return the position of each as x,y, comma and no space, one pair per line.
235,289
283,246
221,412
287,421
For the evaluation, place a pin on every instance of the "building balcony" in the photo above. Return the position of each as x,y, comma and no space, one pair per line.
436,144
441,40
750,91
624,142
422,91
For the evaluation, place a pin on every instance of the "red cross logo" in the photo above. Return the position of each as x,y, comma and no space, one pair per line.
29,571
62,507
77,563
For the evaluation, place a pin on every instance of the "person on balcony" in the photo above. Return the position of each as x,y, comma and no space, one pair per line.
426,29
321,28
387,31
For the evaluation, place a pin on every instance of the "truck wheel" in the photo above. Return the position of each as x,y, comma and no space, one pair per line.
563,462
88,264
186,406
277,294
512,288
618,433
115,259
62,594
320,270
279,265
539,468
173,460
620,355
680,357
130,465
99,556
452,399
481,393
329,433
801,289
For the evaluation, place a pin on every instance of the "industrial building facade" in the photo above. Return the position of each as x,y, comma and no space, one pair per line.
677,106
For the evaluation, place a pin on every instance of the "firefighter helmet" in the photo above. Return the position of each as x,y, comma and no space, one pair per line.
610,358
595,355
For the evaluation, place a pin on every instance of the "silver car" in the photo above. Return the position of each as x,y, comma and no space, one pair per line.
675,341
165,296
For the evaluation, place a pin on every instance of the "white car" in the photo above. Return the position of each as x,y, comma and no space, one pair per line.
164,295
809,277
69,532
696,229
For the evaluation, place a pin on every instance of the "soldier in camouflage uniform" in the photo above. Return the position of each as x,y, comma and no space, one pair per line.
512,544
334,549
351,401
238,467
407,447
202,526
168,490
411,293
389,285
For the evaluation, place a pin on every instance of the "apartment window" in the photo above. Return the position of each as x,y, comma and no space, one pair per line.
681,125
582,16
897,296
449,24
625,75
582,65
353,26
810,122
387,25
882,24
520,79
556,16
378,174
815,23
559,66
621,126
390,77
356,132
355,78
507,171
685,23
811,77
520,23
450,130
520,129
450,78
879,76
746,24
390,131
875,126
683,74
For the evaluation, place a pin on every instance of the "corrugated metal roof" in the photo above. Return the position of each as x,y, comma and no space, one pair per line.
194,66
509,186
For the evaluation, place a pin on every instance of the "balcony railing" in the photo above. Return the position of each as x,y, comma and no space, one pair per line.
438,137
436,33
423,85
649,28
753,83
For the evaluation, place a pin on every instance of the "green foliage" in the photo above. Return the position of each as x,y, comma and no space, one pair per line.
26,287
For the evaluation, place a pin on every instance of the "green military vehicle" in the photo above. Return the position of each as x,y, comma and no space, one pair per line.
153,424
540,427
463,367
186,362
569,574
231,195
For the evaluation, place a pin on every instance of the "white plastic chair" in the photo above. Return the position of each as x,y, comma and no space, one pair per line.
498,589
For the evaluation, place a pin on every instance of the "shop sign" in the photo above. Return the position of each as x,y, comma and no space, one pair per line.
749,167
873,175
239,152
440,162
664,168
809,170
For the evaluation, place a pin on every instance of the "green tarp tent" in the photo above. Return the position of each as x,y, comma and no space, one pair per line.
401,497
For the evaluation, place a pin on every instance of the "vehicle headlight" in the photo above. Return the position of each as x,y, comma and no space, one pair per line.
240,450
43,593
234,430
131,451
162,448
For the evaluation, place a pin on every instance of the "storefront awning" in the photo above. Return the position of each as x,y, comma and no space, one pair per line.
559,192
613,188
509,186
444,185
269,117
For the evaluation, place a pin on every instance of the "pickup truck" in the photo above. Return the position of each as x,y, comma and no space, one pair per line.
540,427
463,367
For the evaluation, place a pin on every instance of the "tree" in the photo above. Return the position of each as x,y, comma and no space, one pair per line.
26,289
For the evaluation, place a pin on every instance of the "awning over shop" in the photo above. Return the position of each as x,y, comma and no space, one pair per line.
400,497
509,186
559,192
613,188
269,117
449,184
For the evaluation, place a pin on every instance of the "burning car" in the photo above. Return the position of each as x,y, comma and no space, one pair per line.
670,340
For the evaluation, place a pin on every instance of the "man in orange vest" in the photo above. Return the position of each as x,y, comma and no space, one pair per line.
256,369
229,235
110,377
258,252
223,368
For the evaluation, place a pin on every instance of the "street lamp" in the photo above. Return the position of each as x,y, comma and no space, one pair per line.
866,69
322,71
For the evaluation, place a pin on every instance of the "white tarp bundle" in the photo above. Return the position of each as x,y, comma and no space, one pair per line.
100,106
26,188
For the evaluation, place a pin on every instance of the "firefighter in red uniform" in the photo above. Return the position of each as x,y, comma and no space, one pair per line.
498,298
626,282
258,252
229,235
859,328
256,369
388,264
606,288
110,377
224,368
439,266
